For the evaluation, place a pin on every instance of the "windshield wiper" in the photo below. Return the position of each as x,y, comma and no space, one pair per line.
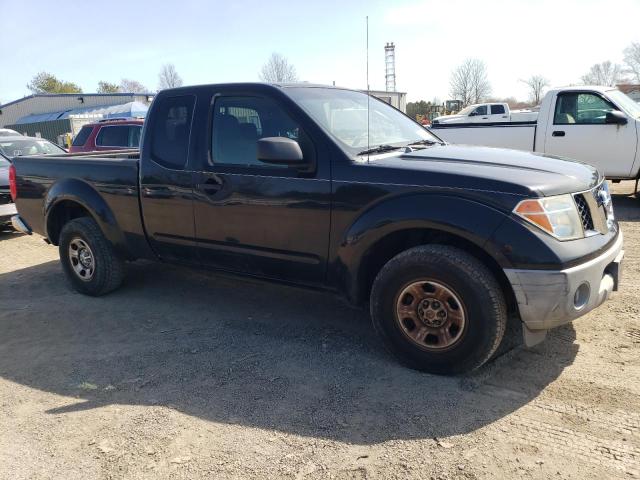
379,149
424,142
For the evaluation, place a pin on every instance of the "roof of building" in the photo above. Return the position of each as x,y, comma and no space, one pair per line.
49,95
130,109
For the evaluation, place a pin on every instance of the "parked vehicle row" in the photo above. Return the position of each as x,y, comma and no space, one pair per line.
442,242
599,126
12,146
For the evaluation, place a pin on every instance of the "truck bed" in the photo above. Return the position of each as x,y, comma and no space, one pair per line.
515,135
106,182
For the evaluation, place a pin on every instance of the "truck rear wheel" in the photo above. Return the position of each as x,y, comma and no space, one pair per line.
88,259
438,309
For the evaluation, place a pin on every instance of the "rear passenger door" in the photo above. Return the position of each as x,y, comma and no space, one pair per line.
498,114
166,192
250,217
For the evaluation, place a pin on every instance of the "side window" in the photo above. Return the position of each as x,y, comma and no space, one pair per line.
113,136
581,108
82,136
481,110
497,109
134,136
238,124
170,131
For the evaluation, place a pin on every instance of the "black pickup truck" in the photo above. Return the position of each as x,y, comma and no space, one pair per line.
332,189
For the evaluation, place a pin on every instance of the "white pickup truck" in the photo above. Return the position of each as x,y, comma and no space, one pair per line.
487,113
595,125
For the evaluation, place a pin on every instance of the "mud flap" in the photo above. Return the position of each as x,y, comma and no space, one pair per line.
533,337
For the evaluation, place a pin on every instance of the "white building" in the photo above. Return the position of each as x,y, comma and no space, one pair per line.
395,99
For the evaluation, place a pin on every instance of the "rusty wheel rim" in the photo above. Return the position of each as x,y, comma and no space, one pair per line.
431,315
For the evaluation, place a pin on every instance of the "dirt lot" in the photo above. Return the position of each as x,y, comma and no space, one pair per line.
182,374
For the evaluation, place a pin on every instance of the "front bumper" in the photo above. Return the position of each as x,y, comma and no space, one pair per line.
7,210
548,298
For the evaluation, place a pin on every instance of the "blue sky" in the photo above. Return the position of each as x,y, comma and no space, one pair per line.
212,41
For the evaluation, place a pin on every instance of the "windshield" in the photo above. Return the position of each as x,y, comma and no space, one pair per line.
466,110
17,147
343,114
625,102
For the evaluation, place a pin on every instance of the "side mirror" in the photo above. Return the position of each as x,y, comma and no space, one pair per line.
473,114
280,151
616,117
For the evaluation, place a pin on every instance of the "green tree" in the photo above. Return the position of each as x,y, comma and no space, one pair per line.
106,87
45,82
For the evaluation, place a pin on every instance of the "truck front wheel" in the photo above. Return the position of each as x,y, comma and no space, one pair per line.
88,259
438,309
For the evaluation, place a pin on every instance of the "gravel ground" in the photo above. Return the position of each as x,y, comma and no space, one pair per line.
183,374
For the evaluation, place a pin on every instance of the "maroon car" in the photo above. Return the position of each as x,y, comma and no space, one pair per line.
109,134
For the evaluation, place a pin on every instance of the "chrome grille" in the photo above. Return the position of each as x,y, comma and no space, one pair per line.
595,210
584,212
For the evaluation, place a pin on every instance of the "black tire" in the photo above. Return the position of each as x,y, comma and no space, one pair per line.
108,268
485,310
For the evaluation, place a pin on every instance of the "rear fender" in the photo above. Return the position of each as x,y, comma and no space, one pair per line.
83,194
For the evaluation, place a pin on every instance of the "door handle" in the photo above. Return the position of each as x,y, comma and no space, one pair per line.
485,118
558,133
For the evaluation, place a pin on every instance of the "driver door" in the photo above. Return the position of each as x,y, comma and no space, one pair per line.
579,131
480,114
250,217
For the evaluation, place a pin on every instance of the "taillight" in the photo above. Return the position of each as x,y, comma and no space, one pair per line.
13,186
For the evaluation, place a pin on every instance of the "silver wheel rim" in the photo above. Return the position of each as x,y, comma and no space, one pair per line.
82,259
431,315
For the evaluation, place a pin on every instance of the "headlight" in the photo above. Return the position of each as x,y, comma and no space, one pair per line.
558,216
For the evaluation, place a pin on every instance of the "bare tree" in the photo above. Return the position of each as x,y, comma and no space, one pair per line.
132,86
168,77
469,82
632,60
607,74
278,69
536,84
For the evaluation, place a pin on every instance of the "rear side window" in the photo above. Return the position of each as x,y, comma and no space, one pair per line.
113,136
497,109
82,136
134,136
170,131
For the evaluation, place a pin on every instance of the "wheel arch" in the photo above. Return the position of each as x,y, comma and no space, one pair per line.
73,198
404,222
398,241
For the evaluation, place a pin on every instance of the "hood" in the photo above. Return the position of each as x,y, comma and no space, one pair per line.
492,169
450,118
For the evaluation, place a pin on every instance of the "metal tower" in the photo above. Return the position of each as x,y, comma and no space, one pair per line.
390,66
